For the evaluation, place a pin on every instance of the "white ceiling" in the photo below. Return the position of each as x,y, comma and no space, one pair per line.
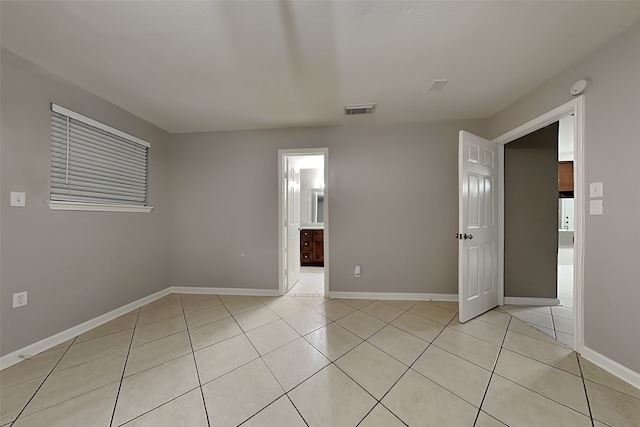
221,65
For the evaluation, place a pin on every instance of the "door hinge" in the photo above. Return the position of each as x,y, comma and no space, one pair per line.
286,175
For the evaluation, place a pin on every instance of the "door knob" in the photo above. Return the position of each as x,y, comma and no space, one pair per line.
458,236
468,236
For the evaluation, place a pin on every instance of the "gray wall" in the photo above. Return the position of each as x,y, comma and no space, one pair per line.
393,206
531,215
75,265
612,126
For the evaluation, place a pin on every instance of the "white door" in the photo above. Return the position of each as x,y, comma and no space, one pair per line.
478,229
293,225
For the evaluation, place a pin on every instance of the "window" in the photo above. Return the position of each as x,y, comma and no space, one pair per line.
94,166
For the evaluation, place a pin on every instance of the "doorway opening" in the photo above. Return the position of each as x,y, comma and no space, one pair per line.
570,258
303,222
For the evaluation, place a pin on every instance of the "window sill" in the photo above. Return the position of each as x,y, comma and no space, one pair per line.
76,206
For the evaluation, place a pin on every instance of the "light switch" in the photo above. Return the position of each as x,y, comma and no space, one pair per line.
18,199
595,189
596,207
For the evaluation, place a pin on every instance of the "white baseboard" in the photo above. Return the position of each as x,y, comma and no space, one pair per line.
531,301
614,368
224,291
394,296
52,341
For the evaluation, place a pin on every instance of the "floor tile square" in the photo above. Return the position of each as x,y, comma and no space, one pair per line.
214,332
334,309
469,348
418,326
563,325
485,420
269,337
447,305
157,314
206,315
598,375
312,301
382,311
546,380
516,405
564,312
171,300
552,354
293,363
356,303
255,318
533,317
14,398
95,349
218,359
149,389
157,330
279,413
521,327
238,395
496,317
184,411
401,304
612,407
81,379
399,344
90,409
306,321
156,352
286,306
381,417
331,398
372,369
481,330
432,312
196,302
333,340
118,324
242,304
414,396
361,324
37,366
455,374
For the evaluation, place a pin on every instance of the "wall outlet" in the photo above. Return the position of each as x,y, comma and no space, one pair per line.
18,199
19,299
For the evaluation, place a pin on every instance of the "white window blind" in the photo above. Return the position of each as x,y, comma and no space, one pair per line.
94,163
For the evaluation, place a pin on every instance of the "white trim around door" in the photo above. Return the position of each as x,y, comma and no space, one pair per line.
282,153
575,107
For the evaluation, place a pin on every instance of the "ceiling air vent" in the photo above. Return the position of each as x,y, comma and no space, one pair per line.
354,110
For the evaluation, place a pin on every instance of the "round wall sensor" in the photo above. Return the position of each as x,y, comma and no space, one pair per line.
579,87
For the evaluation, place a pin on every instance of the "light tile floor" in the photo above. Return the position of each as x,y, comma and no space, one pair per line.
556,321
311,282
206,360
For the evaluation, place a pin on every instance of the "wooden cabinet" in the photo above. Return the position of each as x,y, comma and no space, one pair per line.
565,179
312,247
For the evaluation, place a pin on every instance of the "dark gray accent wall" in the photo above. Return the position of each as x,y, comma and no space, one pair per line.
393,206
75,265
612,126
531,215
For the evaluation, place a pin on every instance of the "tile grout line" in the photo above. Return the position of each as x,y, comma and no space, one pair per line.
124,369
42,384
195,363
586,394
486,390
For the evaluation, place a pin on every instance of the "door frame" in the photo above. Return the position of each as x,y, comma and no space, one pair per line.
575,107
282,153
